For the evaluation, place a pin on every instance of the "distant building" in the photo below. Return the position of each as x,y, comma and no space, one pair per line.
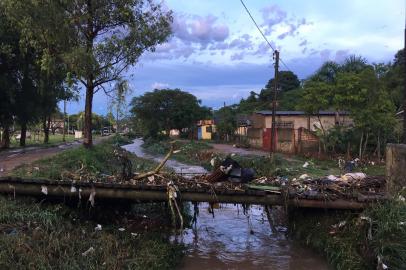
295,130
205,129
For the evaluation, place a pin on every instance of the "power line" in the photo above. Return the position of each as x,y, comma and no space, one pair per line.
259,29
263,35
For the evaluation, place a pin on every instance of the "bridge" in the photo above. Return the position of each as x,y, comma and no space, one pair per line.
85,190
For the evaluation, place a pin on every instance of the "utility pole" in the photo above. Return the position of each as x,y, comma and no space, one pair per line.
404,90
275,89
64,119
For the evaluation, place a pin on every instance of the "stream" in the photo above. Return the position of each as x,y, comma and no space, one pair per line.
234,240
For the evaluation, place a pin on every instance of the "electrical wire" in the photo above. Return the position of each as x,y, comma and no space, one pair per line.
262,33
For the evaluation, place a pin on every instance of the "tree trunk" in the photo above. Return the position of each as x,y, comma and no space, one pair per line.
23,134
365,144
360,146
5,143
379,146
46,130
88,142
348,150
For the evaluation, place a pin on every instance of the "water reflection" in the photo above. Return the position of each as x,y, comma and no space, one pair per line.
234,240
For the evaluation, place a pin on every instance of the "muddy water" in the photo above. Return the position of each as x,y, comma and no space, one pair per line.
234,240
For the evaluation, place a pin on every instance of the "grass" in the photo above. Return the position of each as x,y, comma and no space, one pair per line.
43,235
46,236
191,152
348,246
200,153
96,160
53,140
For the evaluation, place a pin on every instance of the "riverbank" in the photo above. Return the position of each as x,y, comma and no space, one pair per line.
42,235
375,237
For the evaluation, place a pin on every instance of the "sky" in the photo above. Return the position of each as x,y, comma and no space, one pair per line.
217,54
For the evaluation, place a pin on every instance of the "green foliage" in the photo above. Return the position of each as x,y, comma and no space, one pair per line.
41,236
166,109
287,80
97,160
348,246
226,122
191,152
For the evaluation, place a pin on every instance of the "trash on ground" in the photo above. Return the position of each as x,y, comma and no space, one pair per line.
98,227
89,251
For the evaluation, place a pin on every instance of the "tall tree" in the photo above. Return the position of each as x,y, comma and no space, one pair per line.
166,109
287,80
105,37
118,104
111,35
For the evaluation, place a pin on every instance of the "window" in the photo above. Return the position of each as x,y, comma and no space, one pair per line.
209,129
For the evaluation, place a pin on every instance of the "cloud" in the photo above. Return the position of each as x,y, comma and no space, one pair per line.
341,55
199,29
272,15
158,85
303,43
237,56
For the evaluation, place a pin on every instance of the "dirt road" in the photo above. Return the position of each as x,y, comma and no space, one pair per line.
12,158
229,149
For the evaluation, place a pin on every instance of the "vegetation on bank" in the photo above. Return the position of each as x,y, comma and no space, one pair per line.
189,152
97,160
40,235
201,153
36,235
352,240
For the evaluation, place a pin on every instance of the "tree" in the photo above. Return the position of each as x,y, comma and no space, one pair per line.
9,59
226,122
287,81
166,109
105,37
118,102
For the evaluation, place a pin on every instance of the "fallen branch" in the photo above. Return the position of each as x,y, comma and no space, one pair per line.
158,168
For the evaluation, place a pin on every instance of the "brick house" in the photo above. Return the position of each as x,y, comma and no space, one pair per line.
295,130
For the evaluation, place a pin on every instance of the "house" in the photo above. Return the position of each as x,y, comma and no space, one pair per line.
205,129
296,131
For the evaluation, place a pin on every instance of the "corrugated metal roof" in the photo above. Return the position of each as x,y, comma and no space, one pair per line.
267,112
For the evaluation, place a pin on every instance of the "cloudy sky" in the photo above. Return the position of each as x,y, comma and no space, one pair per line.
217,54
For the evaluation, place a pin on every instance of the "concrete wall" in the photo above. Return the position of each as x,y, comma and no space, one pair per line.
395,168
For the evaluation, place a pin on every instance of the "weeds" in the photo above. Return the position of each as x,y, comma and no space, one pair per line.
343,236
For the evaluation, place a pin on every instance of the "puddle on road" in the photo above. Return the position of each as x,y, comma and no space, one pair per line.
226,241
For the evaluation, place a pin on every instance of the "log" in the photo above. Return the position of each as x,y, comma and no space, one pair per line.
63,189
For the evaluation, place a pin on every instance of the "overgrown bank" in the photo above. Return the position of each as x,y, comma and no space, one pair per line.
349,240
372,239
39,235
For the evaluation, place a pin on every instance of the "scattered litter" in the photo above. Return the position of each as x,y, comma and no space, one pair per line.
1,169
176,151
332,177
91,197
401,198
402,223
381,265
98,227
144,216
305,165
134,234
354,176
304,176
121,229
72,189
80,193
44,190
36,169
89,251
151,178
